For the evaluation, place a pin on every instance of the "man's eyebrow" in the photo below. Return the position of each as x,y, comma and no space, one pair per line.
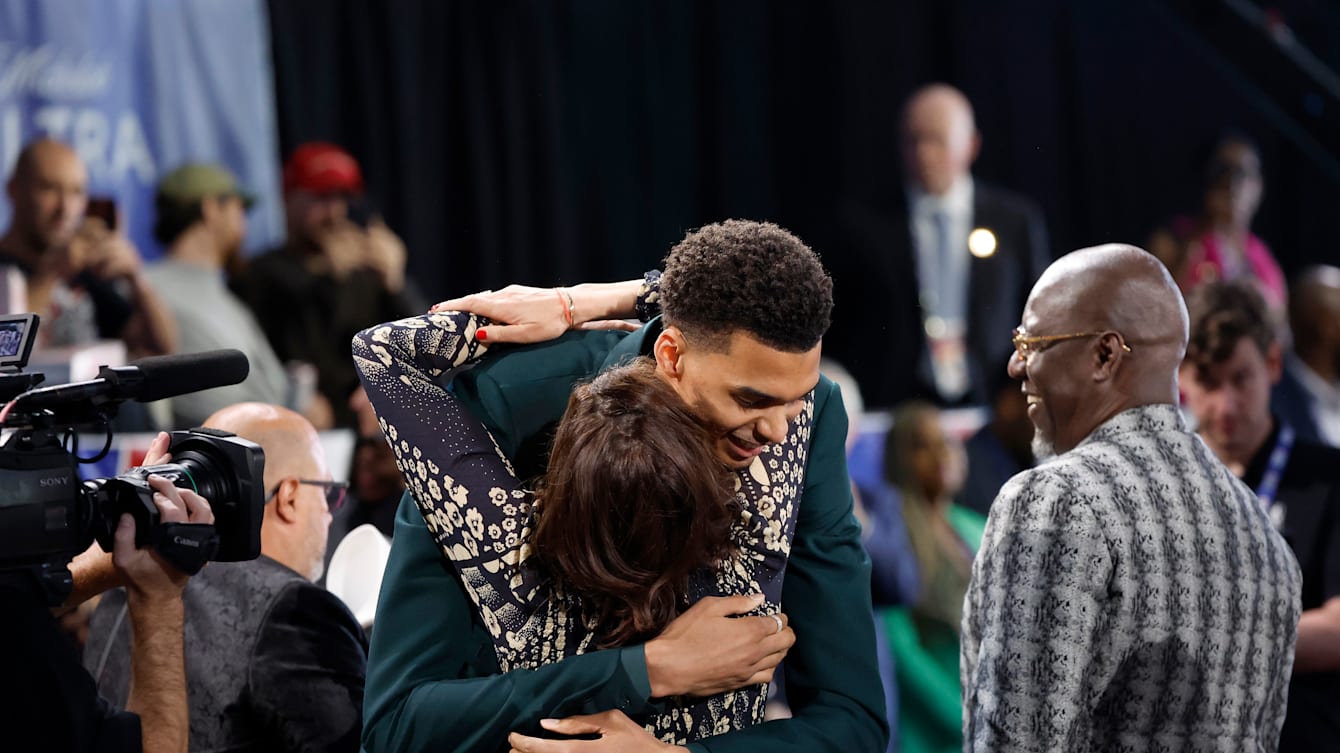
763,397
756,395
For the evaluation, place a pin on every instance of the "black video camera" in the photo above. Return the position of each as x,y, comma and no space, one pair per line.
48,515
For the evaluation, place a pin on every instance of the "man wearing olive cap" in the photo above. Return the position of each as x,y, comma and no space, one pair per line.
201,221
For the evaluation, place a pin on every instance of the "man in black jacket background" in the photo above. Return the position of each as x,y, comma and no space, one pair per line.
932,284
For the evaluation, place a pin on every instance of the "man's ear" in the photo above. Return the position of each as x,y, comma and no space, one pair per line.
669,352
975,149
1107,353
210,208
286,500
1274,362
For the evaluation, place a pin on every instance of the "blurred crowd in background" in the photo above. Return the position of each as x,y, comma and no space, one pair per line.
930,281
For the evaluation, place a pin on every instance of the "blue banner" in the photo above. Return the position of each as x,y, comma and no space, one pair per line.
138,87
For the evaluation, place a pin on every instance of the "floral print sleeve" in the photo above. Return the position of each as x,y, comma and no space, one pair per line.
473,505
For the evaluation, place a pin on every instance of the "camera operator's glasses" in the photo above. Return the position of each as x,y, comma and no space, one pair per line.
335,491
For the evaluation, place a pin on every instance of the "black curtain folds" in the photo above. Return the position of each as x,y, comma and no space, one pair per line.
555,142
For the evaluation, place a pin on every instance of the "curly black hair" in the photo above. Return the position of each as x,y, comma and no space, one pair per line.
751,276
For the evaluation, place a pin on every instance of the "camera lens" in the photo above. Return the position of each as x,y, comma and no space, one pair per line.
211,477
226,470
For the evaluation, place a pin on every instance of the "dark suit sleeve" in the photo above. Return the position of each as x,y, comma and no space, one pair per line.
305,677
433,679
832,677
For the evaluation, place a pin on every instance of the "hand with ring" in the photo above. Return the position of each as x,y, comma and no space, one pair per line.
718,644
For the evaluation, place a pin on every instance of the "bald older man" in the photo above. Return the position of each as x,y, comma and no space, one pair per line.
274,662
1130,593
934,277
84,279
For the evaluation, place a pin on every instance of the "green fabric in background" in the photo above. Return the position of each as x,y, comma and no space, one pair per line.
930,700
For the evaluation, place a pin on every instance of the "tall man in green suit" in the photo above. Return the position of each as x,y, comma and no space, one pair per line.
744,307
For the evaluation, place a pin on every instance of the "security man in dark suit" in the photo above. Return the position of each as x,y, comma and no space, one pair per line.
928,294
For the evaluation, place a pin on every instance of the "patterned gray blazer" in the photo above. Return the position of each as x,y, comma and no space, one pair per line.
274,663
1130,595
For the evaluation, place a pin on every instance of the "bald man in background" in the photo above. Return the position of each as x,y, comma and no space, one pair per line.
920,313
1130,594
1307,396
274,662
82,278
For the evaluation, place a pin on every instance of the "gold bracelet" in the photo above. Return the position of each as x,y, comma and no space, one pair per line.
569,307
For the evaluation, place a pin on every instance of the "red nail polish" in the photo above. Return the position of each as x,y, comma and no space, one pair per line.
481,334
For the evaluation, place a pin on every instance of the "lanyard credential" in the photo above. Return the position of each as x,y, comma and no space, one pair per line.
1270,480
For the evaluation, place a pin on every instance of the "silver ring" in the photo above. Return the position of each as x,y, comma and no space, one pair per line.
778,620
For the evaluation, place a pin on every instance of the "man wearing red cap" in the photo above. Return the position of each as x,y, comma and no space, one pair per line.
332,277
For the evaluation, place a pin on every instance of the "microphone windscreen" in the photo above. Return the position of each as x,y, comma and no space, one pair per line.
168,376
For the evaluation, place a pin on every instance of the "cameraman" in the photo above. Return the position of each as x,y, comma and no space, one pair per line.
47,701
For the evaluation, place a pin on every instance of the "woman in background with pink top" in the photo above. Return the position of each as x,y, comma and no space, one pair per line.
1219,244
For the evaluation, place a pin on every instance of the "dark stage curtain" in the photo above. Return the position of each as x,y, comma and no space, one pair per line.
549,142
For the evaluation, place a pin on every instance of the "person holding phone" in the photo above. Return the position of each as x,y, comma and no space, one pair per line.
340,270
82,276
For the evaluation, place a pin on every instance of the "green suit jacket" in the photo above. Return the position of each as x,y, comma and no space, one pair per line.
433,678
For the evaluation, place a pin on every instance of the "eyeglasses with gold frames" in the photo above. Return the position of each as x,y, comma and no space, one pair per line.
1026,344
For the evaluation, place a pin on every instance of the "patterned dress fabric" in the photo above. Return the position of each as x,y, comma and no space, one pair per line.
1130,595
480,515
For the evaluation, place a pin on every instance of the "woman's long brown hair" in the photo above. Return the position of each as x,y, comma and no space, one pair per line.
633,502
